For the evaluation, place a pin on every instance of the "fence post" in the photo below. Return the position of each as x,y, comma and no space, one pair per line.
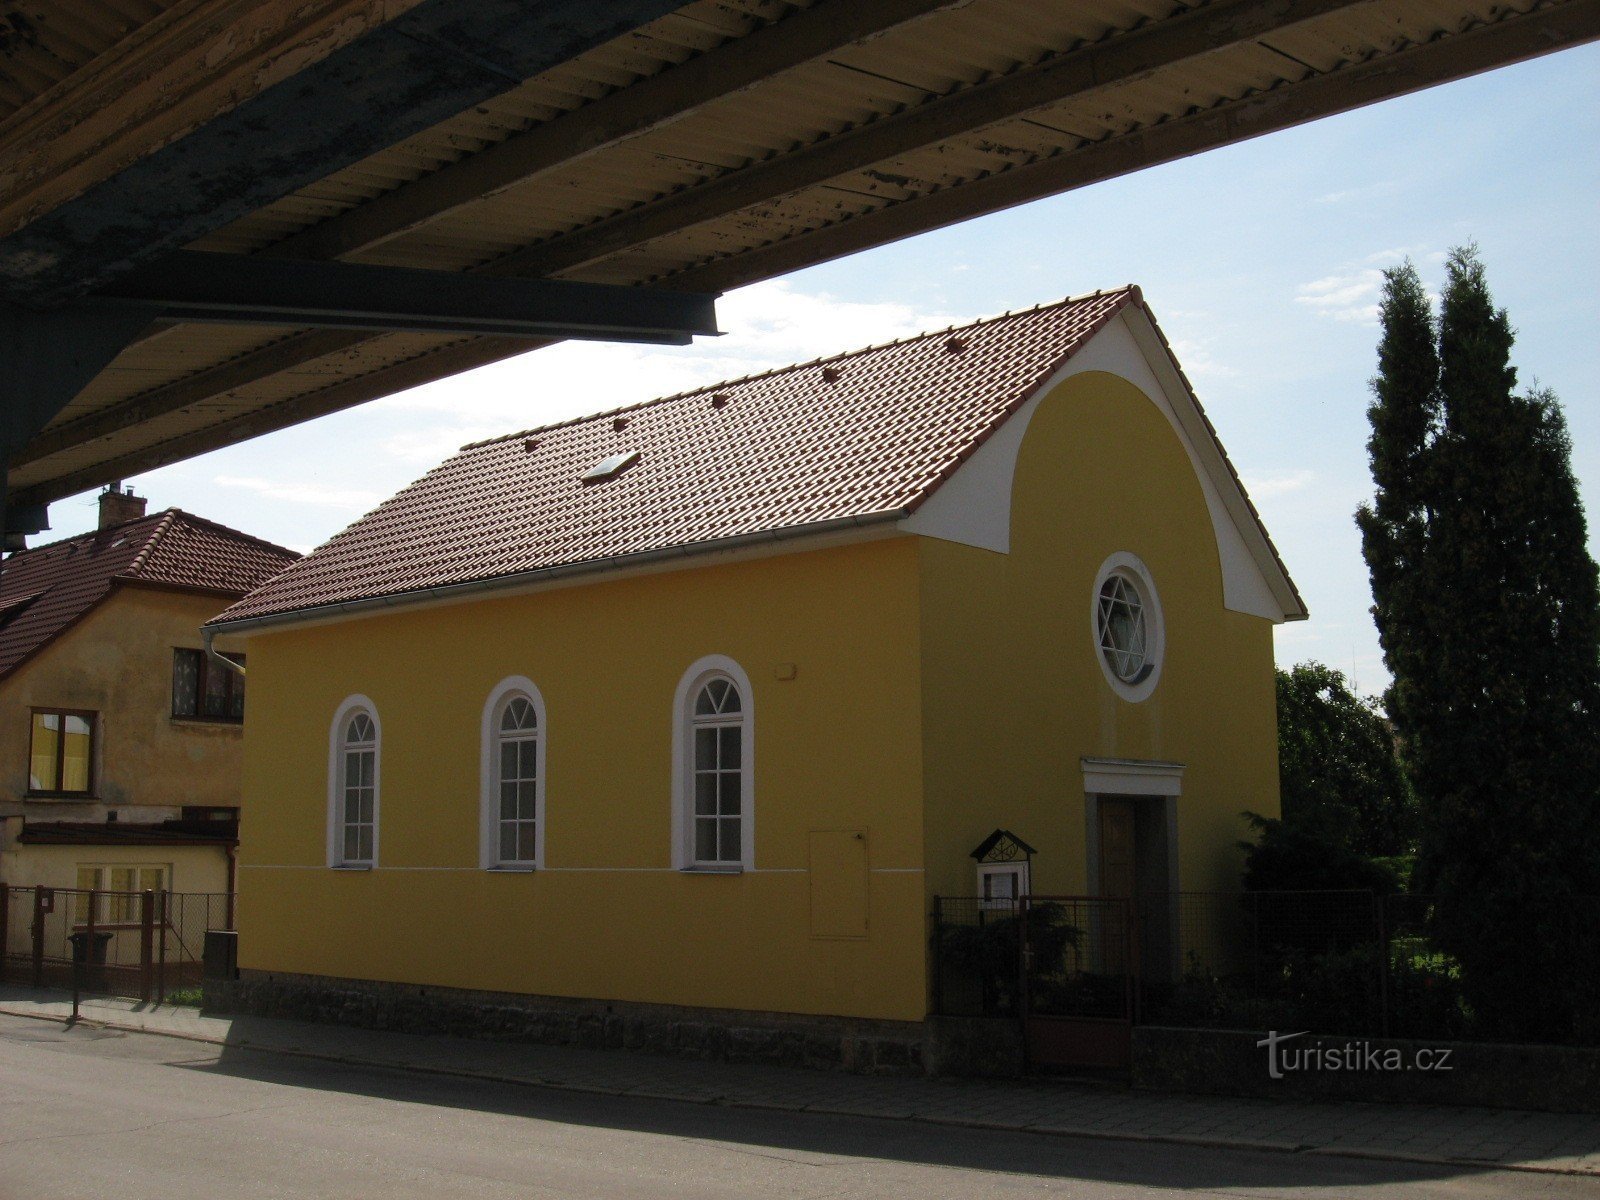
147,929
161,947
1024,955
38,934
937,956
1380,903
5,926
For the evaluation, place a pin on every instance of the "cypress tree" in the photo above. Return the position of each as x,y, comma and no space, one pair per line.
1488,609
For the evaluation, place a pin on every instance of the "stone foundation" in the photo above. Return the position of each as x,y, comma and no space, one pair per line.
827,1043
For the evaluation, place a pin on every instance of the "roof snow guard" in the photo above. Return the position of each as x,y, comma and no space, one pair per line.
860,438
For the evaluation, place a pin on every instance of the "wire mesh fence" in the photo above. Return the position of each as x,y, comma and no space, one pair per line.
1333,962
146,945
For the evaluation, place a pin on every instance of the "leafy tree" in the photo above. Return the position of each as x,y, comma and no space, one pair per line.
1337,769
1288,857
1488,610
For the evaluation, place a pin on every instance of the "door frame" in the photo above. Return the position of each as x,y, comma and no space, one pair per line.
1135,778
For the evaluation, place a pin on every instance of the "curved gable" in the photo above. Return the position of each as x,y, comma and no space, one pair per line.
974,506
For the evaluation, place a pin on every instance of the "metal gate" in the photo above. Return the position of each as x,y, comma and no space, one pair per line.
1079,981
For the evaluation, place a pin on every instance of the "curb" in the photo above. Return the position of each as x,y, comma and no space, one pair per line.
1173,1139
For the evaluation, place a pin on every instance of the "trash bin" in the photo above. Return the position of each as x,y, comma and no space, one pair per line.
84,952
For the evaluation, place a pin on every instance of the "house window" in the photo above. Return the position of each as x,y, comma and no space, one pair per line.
353,790
713,776
203,689
124,882
718,774
61,752
518,779
1129,634
511,774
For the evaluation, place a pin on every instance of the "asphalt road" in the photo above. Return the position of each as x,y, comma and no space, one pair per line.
94,1113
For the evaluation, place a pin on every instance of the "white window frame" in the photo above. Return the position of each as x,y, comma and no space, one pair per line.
710,667
508,689
1132,569
1017,867
341,717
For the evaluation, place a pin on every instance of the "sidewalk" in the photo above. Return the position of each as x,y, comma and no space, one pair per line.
1530,1141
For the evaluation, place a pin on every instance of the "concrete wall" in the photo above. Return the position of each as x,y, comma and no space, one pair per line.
1012,685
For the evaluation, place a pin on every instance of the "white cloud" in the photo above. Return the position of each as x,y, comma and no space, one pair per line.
1350,296
284,491
1278,483
1194,355
1366,191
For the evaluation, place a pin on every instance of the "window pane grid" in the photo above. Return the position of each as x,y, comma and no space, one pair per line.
718,774
517,763
358,815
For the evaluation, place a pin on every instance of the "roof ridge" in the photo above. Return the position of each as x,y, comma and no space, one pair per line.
789,368
240,534
87,533
160,515
133,568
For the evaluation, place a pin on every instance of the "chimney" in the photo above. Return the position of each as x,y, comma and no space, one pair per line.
117,505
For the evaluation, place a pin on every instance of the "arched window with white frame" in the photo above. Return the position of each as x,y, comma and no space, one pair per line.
511,809
713,752
353,772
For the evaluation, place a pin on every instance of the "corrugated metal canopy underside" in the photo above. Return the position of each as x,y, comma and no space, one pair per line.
639,163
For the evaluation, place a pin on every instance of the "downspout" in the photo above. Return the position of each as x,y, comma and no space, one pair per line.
206,636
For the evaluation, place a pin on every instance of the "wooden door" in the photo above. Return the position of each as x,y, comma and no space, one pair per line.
1119,852
1118,849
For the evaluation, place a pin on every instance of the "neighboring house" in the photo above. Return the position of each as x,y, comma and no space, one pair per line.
701,702
119,738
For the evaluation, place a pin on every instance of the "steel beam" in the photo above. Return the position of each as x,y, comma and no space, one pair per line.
1079,74
1509,39
1082,72
406,75
194,286
652,103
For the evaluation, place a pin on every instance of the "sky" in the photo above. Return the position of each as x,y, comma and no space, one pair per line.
1262,262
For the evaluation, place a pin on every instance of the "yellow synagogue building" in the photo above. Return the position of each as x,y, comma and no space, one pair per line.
682,715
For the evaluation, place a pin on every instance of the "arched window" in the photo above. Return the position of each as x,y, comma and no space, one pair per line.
512,807
353,785
714,817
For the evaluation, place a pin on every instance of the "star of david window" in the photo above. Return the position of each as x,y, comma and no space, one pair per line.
1123,631
1125,621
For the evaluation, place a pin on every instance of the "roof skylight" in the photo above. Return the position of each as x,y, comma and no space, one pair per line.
613,464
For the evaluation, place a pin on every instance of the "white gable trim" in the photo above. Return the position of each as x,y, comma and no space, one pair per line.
973,506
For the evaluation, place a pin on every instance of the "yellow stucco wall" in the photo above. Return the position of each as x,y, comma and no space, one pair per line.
1013,693
837,748
118,661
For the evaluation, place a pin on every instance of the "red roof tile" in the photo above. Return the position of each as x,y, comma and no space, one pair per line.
45,590
866,434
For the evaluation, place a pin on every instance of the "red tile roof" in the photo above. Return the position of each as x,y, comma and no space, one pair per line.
868,434
43,591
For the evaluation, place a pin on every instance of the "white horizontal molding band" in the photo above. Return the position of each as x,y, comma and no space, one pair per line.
1132,777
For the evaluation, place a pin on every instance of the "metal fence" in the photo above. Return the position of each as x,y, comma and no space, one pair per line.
1334,962
143,945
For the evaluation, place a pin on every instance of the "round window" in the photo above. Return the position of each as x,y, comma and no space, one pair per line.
1127,626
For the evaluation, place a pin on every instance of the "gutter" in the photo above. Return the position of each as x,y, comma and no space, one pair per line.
206,634
452,591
